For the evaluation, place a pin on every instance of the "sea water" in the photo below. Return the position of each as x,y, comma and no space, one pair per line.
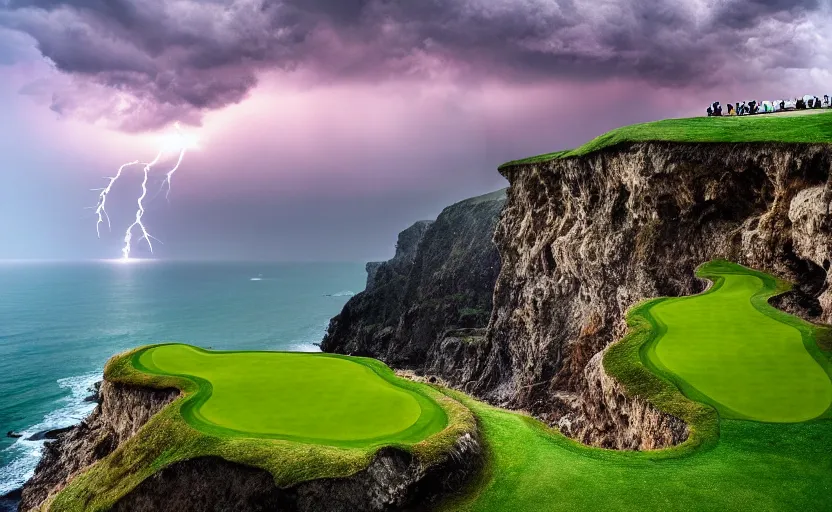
60,322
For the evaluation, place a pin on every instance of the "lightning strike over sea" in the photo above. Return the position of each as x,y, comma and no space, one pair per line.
174,142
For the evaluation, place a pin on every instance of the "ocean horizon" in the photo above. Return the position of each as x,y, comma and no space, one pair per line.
61,320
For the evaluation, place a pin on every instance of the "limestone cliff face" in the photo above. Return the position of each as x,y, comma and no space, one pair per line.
583,239
441,278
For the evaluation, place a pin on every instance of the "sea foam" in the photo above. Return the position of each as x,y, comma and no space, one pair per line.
70,410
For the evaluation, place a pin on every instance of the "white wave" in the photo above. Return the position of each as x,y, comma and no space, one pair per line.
70,410
344,293
308,342
304,347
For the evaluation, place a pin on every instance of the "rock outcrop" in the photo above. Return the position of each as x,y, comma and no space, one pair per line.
583,239
121,413
441,278
393,481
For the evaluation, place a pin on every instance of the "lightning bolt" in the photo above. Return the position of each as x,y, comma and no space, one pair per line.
100,210
181,144
128,235
171,172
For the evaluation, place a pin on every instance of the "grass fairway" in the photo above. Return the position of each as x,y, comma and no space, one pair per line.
727,351
755,466
313,398
726,464
811,128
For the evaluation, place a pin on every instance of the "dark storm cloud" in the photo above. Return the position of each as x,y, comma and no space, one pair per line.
748,13
184,58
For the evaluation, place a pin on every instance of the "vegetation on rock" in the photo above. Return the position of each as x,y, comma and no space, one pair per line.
813,128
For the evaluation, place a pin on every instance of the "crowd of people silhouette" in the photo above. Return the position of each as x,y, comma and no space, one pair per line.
764,107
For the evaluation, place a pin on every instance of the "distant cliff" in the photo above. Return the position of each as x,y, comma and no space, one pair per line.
441,279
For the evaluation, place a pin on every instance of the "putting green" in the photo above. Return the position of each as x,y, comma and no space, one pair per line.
317,398
729,348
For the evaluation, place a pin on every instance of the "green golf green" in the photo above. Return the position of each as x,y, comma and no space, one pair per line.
316,398
737,350
727,351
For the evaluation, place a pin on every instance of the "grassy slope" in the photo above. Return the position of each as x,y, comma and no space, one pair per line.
312,398
760,128
167,438
724,465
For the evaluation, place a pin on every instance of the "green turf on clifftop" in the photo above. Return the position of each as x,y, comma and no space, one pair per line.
809,128
314,398
298,416
728,352
732,465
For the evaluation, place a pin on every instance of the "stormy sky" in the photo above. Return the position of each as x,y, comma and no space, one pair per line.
326,126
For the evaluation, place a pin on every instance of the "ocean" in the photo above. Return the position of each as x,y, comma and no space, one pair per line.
60,322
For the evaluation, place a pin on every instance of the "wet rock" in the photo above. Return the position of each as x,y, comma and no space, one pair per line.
10,501
48,434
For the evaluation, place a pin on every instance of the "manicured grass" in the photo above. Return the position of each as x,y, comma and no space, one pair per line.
726,464
755,466
313,398
728,353
168,437
760,128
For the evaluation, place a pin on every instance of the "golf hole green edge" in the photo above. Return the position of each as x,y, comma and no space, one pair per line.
715,271
431,420
627,362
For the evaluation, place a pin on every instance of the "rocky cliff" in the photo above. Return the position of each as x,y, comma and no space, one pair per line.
580,241
121,412
441,278
583,239
393,480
